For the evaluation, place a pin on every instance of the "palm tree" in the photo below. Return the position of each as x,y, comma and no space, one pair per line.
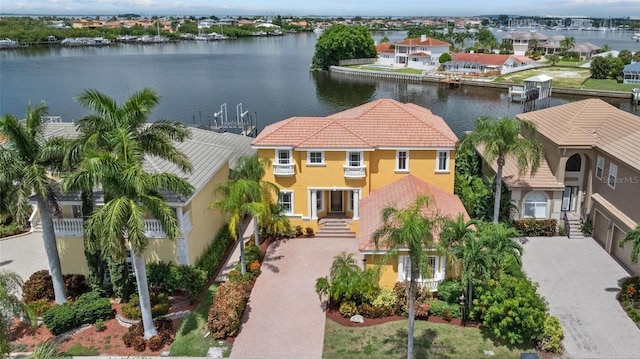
119,226
567,43
253,168
501,138
242,198
632,236
33,158
499,240
10,286
97,132
408,229
459,238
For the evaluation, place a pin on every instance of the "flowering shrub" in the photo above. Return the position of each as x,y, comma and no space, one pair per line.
536,227
348,309
254,268
629,289
550,340
225,313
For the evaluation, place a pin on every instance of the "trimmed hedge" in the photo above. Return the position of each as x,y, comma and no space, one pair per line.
89,308
536,227
225,314
169,277
215,252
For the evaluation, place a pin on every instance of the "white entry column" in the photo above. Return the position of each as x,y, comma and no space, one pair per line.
314,204
182,247
356,204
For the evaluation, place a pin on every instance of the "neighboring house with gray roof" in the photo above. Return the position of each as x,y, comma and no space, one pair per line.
591,171
631,73
211,153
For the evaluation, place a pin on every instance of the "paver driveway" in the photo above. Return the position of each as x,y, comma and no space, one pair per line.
284,317
580,281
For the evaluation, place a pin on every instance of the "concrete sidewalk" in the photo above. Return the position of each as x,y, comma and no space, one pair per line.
284,318
580,282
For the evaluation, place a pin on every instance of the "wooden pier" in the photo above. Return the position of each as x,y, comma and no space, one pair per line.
450,82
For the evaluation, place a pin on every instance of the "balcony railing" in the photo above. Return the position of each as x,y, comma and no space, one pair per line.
73,227
284,170
431,284
355,171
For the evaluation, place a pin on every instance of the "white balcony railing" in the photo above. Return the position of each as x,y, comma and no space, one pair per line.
73,227
68,227
431,284
284,170
355,171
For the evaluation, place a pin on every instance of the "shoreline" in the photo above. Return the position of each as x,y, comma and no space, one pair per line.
464,82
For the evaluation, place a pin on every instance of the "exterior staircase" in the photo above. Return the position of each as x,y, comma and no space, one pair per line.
334,228
574,226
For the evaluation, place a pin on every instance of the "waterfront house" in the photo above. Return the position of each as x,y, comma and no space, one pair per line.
210,153
420,53
631,73
585,50
591,171
523,41
386,54
352,163
485,64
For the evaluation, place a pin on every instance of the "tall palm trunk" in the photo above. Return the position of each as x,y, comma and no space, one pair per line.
50,247
256,230
470,296
496,203
143,293
411,304
243,267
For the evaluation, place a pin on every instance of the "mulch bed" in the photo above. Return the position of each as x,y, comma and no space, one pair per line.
335,316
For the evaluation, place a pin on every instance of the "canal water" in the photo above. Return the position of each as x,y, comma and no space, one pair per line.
269,76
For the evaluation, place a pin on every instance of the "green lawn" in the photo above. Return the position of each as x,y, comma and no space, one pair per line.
404,70
608,85
190,340
562,76
431,341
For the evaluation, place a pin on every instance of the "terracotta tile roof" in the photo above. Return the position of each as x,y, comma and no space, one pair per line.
384,47
420,54
488,59
381,123
593,123
543,179
401,194
429,41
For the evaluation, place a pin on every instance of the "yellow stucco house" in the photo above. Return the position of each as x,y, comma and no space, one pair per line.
210,153
349,165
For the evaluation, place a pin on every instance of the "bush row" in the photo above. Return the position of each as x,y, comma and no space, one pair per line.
9,230
536,227
40,286
89,308
225,313
169,278
214,254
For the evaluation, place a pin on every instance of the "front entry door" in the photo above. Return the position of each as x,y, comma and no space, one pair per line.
566,199
336,201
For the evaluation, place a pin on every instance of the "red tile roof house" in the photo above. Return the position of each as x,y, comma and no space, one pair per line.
485,64
591,171
386,54
423,53
345,168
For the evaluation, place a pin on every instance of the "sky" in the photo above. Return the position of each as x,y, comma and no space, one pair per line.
591,8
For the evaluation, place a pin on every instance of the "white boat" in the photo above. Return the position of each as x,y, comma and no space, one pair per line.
636,36
318,30
8,43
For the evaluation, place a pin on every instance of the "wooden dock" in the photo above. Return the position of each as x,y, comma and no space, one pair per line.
450,82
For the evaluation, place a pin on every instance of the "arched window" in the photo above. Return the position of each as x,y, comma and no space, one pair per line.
574,163
535,205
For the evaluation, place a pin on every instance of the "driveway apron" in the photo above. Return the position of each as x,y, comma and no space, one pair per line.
24,254
284,317
580,282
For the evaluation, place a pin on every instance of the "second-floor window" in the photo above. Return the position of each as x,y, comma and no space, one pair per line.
402,160
283,157
315,158
354,159
613,174
442,160
286,202
600,167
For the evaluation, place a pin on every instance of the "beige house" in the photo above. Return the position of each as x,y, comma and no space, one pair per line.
591,171
210,153
422,53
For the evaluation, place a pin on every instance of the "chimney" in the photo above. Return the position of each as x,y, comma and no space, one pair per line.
423,38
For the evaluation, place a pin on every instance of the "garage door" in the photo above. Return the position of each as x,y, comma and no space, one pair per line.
600,225
623,254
